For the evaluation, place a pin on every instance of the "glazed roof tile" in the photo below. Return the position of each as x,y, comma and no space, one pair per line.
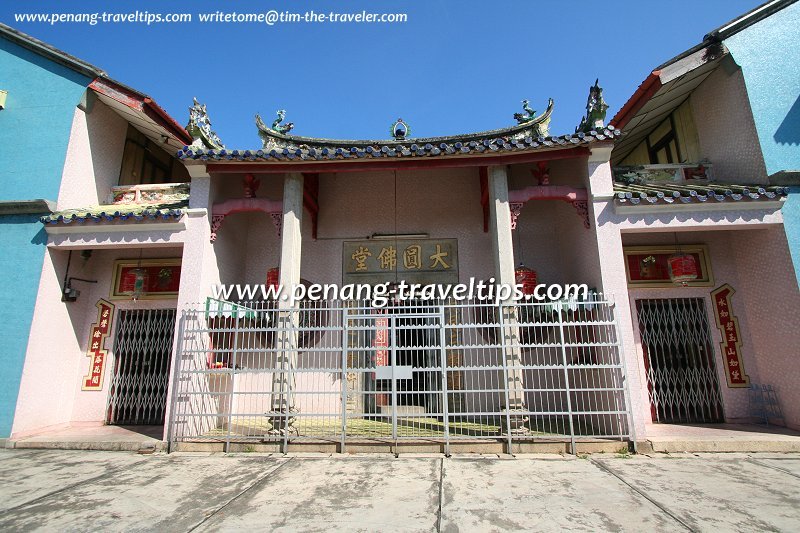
130,213
308,149
693,193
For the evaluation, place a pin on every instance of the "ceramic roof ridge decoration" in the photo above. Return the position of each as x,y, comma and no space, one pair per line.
400,130
199,127
414,148
596,109
681,193
291,148
273,139
276,124
173,206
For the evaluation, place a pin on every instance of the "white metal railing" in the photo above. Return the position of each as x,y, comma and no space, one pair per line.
343,371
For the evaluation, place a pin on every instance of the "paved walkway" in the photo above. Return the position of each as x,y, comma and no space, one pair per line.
56,490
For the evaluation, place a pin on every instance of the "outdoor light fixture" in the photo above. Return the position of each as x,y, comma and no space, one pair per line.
682,266
273,277
526,277
140,280
70,294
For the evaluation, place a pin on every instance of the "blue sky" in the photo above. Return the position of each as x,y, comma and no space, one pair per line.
454,67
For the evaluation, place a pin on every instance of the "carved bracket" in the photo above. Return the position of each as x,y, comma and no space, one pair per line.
516,208
243,205
582,209
577,197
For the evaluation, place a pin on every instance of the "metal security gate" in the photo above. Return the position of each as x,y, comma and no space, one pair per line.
142,355
682,380
346,372
400,375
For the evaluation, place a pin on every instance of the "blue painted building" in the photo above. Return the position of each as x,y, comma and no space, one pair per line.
42,86
765,44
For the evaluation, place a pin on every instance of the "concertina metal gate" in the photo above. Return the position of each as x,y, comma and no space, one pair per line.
142,349
682,381
345,371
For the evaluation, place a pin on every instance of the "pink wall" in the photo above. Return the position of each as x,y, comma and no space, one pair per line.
769,291
735,400
726,128
766,303
56,361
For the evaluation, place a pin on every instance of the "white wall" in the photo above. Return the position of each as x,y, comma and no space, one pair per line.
94,156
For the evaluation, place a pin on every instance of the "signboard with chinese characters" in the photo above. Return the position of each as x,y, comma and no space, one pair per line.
423,261
647,266
160,278
95,351
731,337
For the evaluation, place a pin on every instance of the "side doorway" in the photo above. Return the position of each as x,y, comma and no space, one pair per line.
682,380
142,357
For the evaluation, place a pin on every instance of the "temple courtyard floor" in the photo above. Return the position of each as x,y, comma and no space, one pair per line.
65,490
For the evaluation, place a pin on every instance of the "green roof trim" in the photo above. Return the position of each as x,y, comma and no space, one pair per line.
691,193
121,212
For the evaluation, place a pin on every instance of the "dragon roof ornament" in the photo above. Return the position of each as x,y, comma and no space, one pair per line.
596,109
199,127
276,137
540,124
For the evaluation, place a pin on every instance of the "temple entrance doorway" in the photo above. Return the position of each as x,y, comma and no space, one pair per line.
408,369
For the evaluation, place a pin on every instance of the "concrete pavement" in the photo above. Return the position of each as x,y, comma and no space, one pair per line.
57,490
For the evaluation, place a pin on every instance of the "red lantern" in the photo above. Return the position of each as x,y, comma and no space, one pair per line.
682,268
273,277
527,278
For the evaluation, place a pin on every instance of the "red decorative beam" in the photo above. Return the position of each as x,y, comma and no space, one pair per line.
347,165
484,180
646,90
243,205
577,197
139,102
311,200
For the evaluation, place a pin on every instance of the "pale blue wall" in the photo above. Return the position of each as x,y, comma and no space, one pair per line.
769,54
791,222
34,133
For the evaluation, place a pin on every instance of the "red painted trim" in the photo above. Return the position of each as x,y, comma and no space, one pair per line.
139,102
244,205
117,92
548,192
311,199
393,164
484,181
638,99
164,119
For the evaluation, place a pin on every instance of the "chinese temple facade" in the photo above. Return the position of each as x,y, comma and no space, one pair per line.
149,310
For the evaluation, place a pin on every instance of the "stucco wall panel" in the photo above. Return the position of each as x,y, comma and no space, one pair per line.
94,156
725,127
724,268
768,290
56,361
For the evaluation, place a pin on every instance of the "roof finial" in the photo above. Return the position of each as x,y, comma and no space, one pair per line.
276,124
538,126
199,127
596,109
529,114
400,130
